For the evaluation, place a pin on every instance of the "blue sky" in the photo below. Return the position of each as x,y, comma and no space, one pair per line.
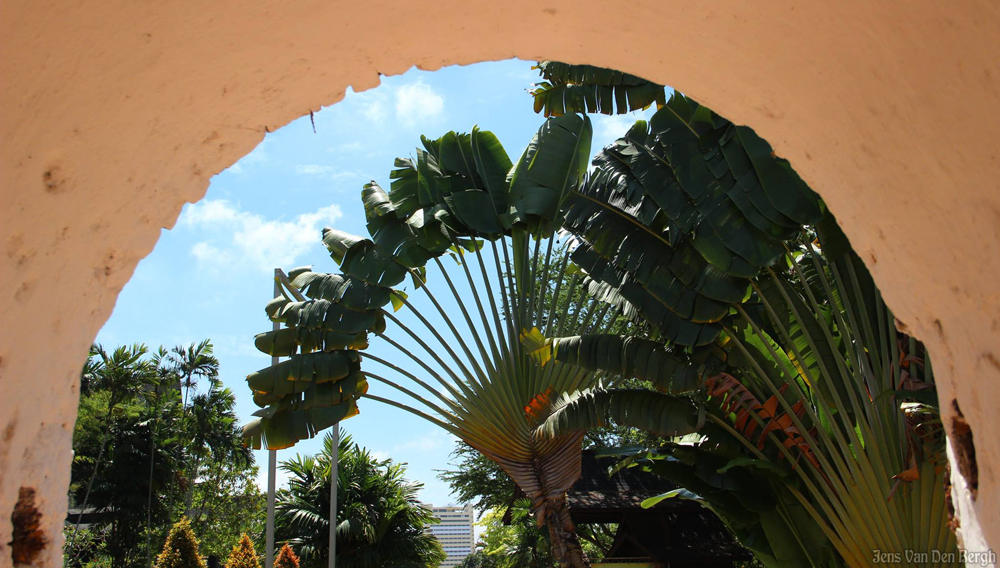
210,276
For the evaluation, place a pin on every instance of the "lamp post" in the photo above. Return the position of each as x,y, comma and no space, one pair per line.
272,459
334,458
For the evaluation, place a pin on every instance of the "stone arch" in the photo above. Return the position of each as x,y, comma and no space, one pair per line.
115,113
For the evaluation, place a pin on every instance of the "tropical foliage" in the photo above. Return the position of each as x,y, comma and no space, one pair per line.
461,196
514,541
823,440
379,520
785,399
140,457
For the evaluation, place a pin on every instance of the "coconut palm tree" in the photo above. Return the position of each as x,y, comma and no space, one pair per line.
379,520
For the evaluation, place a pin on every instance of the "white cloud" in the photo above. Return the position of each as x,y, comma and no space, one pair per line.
373,106
346,147
239,238
417,102
209,254
607,129
209,212
433,440
329,172
409,104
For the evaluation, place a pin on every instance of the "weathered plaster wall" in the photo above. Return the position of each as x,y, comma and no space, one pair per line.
113,113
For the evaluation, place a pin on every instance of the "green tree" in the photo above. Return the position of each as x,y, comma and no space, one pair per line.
243,554
214,435
194,362
117,493
379,520
162,402
146,432
121,375
227,504
181,548
189,365
516,541
478,559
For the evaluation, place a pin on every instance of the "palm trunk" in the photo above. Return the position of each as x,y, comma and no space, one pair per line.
545,481
149,499
190,496
566,548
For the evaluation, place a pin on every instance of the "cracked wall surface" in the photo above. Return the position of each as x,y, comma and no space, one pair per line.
115,113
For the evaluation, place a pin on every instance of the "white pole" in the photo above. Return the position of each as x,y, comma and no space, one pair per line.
272,462
335,458
272,466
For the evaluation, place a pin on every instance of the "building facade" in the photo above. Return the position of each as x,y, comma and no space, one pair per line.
454,532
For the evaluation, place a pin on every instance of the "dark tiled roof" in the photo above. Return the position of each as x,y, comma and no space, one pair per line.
626,489
675,530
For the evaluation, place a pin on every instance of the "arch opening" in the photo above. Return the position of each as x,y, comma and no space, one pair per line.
797,79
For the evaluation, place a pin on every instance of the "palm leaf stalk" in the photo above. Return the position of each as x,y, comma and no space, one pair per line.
466,369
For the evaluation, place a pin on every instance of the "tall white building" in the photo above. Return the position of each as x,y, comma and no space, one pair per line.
454,532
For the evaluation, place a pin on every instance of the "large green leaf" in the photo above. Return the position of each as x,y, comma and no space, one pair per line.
653,309
569,89
551,167
676,216
629,357
658,413
284,429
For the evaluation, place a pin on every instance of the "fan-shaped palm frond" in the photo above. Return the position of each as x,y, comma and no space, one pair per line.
667,369
461,366
691,224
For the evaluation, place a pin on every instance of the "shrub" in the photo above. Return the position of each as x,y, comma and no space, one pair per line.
243,555
286,558
181,548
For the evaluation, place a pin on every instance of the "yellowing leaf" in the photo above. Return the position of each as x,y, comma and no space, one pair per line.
537,345
397,297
